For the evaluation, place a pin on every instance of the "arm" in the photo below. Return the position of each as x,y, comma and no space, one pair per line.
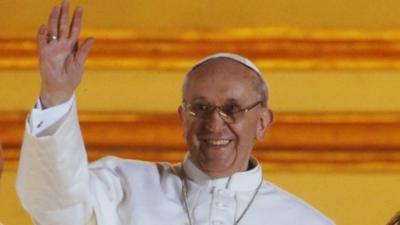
53,176
53,181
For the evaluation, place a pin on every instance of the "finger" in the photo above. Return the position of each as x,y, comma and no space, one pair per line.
76,24
83,51
53,21
64,17
42,36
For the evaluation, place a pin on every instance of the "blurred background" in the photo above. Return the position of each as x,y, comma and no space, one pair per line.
333,68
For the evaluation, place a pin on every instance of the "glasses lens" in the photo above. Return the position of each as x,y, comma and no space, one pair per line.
199,110
229,112
203,111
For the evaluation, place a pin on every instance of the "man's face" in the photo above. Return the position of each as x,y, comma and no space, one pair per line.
216,147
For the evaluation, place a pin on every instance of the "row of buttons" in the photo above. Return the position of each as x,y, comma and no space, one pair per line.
222,210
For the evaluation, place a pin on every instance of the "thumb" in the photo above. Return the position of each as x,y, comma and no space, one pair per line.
83,51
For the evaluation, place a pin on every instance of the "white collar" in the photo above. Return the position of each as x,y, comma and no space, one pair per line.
240,181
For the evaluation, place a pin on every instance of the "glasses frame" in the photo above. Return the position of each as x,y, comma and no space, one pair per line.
225,117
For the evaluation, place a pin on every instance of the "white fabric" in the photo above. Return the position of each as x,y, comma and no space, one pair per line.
57,186
41,119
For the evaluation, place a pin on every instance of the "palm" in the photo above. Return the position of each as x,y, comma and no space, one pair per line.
64,74
61,59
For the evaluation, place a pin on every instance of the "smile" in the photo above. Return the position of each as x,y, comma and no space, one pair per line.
219,142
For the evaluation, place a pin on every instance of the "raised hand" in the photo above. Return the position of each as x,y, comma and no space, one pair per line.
61,59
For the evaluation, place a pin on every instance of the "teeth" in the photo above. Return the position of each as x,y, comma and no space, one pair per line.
217,142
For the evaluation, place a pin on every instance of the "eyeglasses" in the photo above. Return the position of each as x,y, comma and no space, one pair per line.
230,113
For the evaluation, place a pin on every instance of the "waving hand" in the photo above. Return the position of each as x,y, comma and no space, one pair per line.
61,58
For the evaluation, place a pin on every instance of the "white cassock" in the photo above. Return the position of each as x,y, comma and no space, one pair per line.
58,187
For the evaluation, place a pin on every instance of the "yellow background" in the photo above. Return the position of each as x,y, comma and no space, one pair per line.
349,198
159,91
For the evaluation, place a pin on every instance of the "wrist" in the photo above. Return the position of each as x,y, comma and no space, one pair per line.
49,100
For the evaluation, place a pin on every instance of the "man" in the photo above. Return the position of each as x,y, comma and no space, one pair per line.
224,111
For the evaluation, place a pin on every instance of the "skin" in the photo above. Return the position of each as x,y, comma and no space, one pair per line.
218,82
62,60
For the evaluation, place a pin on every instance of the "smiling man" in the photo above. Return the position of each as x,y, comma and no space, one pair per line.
224,111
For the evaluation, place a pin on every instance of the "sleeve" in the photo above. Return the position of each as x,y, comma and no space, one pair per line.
43,122
53,176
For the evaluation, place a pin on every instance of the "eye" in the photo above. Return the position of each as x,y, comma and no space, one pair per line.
199,107
231,109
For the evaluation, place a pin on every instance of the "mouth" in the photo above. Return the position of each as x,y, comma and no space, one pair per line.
217,142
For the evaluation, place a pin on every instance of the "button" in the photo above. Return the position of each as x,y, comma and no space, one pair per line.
217,222
39,124
224,192
221,205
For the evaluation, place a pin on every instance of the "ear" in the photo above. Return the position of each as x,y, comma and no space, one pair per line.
264,123
182,117
181,114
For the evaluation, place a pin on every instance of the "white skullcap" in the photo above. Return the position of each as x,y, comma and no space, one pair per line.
237,58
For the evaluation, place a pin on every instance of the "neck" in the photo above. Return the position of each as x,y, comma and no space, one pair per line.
217,174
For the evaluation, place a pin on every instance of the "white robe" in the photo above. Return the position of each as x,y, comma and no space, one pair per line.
58,187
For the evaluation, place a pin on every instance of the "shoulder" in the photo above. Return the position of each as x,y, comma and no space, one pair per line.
290,208
128,167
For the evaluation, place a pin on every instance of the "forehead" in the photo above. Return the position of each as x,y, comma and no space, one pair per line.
221,79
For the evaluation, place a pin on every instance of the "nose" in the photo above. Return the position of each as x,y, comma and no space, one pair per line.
214,122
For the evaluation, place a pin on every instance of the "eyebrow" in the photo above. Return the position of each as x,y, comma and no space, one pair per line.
229,100
232,100
198,99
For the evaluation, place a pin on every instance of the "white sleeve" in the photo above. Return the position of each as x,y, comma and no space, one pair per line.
53,177
54,182
40,120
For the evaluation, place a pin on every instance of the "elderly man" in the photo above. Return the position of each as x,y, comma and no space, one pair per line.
224,111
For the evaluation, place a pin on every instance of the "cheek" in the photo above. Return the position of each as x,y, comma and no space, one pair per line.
190,131
245,132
